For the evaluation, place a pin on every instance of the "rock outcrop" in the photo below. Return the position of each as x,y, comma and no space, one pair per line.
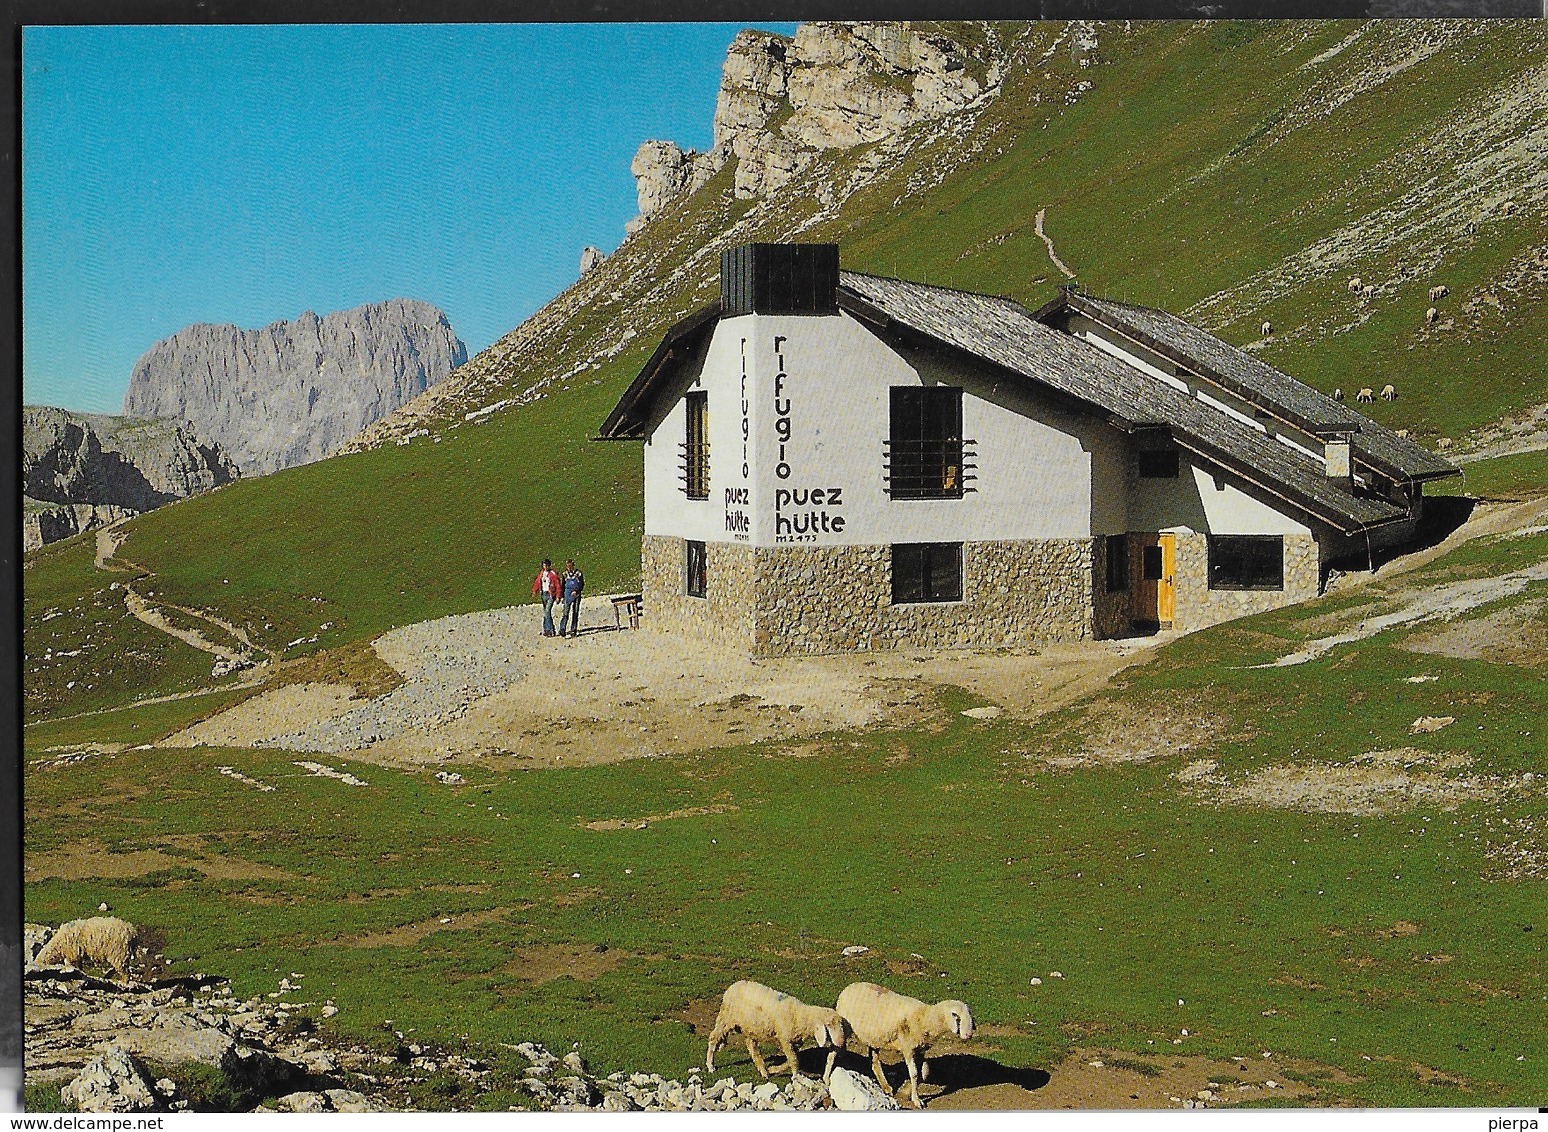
84,470
293,392
590,258
95,1039
834,86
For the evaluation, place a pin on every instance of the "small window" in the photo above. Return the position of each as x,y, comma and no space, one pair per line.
1117,563
696,446
1158,464
695,569
1151,564
1246,562
924,445
926,571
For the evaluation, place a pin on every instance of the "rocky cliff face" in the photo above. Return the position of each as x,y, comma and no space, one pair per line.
81,471
834,86
293,392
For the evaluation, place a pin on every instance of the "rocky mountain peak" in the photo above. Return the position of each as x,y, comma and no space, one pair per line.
295,391
833,86
84,470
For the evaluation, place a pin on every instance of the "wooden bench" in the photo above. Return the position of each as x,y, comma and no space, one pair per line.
627,604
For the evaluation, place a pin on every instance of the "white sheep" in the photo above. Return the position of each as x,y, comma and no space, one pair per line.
1366,394
1430,316
1508,207
1268,328
1354,285
763,1014
105,940
1388,393
1403,432
883,1019
1443,443
1440,291
1368,290
1338,394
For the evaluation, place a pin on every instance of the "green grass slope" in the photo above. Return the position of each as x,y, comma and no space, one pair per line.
1232,171
1387,957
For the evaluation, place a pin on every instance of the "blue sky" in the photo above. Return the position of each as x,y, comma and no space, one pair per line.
173,175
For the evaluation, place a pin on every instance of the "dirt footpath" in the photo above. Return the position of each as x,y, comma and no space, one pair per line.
612,694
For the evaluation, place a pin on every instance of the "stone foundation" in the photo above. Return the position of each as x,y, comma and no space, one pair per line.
837,599
724,615
1198,605
806,600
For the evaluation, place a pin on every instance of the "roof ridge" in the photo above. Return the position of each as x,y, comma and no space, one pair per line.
930,286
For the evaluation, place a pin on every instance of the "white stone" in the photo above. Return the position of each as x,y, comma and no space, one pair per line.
854,1093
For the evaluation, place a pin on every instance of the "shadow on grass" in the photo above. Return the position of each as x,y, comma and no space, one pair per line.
949,1072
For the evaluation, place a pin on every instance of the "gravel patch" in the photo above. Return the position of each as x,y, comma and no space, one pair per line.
447,664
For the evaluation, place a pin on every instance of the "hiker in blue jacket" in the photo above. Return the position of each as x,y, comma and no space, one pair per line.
573,583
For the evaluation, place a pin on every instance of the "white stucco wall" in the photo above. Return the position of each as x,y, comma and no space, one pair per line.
1205,499
718,371
817,414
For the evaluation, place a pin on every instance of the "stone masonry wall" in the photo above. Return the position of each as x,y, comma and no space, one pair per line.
1198,605
1109,611
832,599
724,615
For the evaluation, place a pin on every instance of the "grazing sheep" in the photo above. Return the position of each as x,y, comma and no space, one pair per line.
883,1019
105,940
1366,394
1388,393
1439,292
1368,290
1355,285
1443,443
1508,207
1403,432
1338,394
1268,328
763,1014
1431,316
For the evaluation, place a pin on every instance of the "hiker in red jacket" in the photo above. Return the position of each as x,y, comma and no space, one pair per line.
547,586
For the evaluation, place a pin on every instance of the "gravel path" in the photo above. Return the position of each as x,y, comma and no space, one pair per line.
447,664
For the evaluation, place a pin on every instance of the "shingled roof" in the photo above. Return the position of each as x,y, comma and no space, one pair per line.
1003,333
1006,334
1258,383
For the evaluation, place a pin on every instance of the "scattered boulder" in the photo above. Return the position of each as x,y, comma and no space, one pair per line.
34,938
853,1093
113,1082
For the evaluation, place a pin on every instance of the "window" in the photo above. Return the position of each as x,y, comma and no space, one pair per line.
1117,563
926,571
1152,564
694,569
1158,464
925,446
696,447
1246,562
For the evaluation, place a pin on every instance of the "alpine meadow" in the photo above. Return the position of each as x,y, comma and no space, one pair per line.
1292,859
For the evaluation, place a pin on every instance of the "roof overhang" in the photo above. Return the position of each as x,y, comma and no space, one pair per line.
627,420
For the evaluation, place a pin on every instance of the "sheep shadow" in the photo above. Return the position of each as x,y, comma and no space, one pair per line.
949,1072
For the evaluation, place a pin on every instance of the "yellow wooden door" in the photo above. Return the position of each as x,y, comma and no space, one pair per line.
1166,588
1152,569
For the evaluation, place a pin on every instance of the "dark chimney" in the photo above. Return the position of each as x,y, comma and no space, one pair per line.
779,279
